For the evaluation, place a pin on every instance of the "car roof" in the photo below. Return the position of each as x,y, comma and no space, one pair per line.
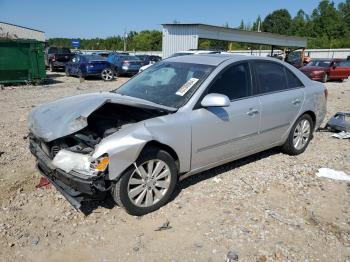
216,59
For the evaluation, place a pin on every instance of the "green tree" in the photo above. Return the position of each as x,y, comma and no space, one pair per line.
278,22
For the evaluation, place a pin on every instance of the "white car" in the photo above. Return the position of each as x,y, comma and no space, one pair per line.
182,53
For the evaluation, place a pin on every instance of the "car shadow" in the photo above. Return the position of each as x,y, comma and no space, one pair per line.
89,207
208,174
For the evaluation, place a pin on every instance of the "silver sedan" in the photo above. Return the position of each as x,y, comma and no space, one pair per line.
179,117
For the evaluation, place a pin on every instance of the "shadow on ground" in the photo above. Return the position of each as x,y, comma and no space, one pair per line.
107,202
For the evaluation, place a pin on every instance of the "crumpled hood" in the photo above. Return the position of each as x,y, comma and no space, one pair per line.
69,115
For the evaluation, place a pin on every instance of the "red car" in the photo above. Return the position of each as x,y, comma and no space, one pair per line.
327,69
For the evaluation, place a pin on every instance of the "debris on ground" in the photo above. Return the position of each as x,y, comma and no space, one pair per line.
342,135
165,226
43,183
333,174
232,256
339,122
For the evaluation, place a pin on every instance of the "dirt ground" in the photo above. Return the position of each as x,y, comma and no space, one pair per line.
267,207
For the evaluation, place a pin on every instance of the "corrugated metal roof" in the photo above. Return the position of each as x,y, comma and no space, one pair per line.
181,37
21,26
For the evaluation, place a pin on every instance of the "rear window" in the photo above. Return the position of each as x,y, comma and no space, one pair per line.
58,50
130,57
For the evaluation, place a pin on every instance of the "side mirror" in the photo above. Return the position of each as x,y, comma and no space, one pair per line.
215,100
334,66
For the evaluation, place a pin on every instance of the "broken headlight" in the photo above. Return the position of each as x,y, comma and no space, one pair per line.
100,164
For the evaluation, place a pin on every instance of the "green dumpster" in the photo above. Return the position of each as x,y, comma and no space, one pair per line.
21,61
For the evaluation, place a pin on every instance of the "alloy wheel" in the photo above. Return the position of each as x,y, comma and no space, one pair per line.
301,134
149,183
107,74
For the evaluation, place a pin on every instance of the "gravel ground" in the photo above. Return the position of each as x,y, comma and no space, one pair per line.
267,207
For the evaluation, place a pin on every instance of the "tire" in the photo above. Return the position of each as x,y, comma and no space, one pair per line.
52,67
325,78
80,74
132,194
107,74
291,146
117,73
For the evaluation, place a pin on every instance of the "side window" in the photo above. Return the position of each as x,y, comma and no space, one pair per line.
270,76
233,82
293,81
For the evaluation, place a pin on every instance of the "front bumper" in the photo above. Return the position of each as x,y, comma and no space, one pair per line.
74,186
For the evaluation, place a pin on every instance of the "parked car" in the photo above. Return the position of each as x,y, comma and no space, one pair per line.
125,64
57,57
195,52
149,59
90,65
327,69
102,53
182,116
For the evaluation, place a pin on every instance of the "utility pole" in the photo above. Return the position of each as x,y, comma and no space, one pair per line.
259,22
125,39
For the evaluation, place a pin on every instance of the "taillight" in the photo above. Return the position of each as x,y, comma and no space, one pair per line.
325,92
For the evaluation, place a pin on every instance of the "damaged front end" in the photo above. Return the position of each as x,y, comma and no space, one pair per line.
74,149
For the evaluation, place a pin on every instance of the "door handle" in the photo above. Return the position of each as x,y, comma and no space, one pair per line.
296,102
252,112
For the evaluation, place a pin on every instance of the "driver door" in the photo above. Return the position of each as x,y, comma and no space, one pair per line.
221,133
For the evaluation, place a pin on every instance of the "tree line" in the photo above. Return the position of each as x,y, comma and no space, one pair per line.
144,40
328,26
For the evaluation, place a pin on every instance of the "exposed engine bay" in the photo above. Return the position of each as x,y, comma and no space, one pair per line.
103,122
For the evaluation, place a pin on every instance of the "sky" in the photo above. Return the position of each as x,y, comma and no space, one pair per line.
90,19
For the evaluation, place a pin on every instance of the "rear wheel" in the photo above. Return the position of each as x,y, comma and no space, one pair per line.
148,186
107,74
299,136
325,78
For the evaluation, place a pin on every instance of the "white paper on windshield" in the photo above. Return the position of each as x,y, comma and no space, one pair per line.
187,86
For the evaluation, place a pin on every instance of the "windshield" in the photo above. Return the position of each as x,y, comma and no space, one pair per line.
167,83
320,63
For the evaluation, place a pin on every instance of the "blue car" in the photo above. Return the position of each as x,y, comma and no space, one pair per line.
125,64
90,65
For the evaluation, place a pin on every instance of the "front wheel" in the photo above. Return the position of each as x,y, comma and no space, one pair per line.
148,185
107,74
299,136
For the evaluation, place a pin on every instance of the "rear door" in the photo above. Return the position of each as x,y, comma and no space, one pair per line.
281,95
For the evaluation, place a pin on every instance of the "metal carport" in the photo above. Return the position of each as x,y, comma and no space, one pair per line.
181,37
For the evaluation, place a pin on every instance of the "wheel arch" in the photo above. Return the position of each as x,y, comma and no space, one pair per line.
170,150
312,115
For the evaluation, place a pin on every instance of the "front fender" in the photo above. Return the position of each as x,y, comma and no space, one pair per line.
123,148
